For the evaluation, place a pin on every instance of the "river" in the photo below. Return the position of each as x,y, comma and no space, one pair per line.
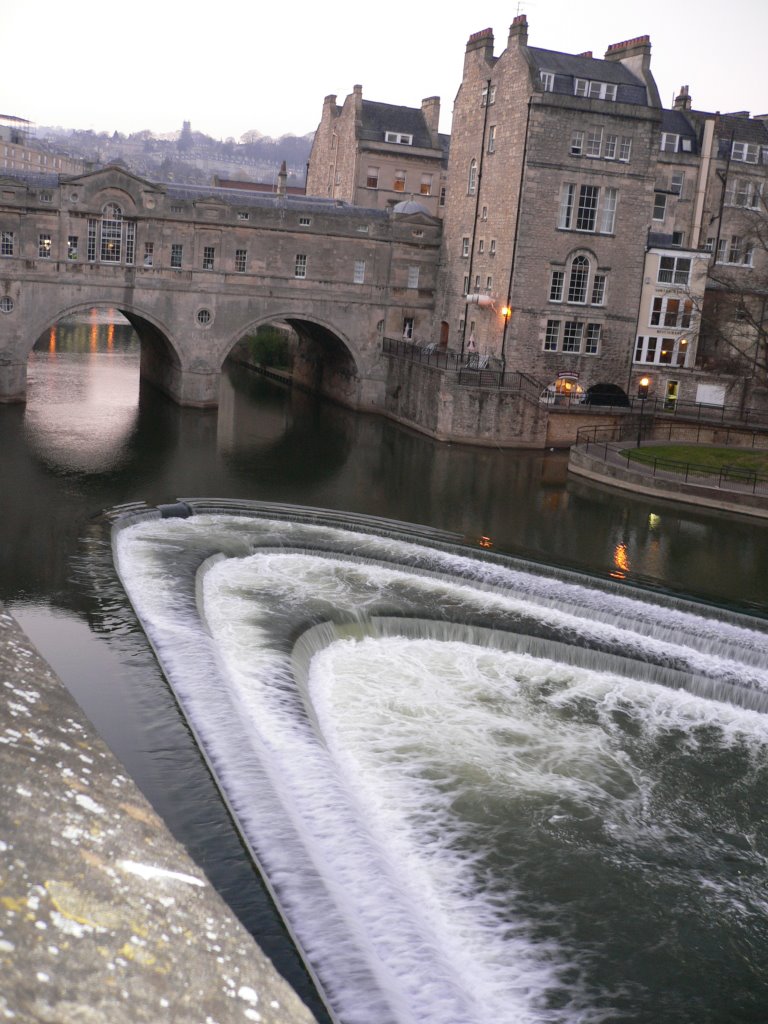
91,438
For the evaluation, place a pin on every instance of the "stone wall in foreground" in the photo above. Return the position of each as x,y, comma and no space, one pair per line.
103,916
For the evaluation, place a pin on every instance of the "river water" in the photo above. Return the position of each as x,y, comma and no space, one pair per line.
586,835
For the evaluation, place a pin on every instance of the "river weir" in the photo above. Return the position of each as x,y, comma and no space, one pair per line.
481,790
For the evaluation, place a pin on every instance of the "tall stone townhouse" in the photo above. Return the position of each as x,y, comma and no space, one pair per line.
378,154
704,285
586,228
552,173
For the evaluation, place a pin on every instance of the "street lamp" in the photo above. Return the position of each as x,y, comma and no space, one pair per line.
506,313
642,394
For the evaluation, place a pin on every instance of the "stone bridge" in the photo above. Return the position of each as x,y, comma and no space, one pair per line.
195,269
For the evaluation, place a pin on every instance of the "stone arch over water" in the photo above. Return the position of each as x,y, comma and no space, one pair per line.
327,360
161,362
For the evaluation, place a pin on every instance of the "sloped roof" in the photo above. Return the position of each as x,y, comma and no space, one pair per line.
740,128
567,66
379,118
676,123
227,196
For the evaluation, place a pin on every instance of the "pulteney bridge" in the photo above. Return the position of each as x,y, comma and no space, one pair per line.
195,269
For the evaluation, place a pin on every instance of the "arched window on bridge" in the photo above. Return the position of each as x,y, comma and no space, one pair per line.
118,236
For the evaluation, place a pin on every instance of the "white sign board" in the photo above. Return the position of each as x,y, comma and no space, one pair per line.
710,394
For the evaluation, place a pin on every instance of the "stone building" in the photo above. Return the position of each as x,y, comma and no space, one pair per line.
377,154
591,236
704,290
21,152
552,174
196,268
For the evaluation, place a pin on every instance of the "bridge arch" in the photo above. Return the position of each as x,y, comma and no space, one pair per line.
327,359
160,358
194,267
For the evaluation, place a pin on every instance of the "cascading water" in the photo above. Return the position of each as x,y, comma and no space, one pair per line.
481,791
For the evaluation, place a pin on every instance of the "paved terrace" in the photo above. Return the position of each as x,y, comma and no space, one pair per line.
104,919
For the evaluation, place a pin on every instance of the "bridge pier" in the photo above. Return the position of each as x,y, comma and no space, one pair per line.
13,380
196,385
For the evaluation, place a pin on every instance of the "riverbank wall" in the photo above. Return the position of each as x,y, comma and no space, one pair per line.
604,464
104,915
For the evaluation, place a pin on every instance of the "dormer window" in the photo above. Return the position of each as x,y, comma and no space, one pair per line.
669,142
488,95
547,80
594,90
401,138
746,152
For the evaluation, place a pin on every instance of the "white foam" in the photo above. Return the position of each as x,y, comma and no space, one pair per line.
349,800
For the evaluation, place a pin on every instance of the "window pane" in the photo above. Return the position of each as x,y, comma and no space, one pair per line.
572,331
608,215
552,335
577,284
566,205
587,212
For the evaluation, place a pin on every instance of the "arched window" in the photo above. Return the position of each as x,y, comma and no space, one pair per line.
111,233
579,279
472,181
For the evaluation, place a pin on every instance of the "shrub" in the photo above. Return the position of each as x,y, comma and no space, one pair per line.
270,346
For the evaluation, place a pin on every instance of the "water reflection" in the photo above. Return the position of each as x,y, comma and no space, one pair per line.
93,436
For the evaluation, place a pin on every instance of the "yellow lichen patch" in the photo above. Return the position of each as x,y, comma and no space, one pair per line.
142,814
16,906
138,955
82,909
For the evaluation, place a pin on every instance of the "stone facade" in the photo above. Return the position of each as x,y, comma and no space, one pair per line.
547,210
587,232
194,269
377,154
707,214
20,151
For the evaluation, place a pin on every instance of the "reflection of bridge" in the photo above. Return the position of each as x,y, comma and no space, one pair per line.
195,269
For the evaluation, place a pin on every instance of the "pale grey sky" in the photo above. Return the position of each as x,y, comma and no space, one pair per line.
155,63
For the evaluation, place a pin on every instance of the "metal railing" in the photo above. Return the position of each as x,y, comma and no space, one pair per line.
734,435
727,477
431,355
604,442
475,371
471,370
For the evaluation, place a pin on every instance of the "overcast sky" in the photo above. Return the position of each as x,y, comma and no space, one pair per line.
153,64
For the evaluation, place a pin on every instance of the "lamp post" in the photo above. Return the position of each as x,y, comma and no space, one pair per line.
642,394
506,313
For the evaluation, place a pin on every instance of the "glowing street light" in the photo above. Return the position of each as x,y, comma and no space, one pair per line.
642,393
506,313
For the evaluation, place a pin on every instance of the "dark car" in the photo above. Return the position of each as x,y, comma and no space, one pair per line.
605,394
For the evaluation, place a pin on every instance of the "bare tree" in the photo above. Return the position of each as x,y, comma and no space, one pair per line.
734,313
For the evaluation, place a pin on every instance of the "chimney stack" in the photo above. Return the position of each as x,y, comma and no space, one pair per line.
482,43
430,108
518,32
682,100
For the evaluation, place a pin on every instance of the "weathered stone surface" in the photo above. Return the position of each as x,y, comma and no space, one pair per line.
103,916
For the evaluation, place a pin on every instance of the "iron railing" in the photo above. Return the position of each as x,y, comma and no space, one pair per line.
604,443
472,370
